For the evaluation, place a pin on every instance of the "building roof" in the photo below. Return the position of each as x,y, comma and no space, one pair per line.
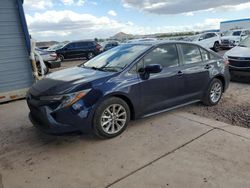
239,20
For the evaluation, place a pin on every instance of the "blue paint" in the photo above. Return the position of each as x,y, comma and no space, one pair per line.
24,24
240,20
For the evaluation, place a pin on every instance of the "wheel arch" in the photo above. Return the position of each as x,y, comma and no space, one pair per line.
222,79
127,100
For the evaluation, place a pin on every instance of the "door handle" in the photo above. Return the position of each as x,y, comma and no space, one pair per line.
208,67
180,73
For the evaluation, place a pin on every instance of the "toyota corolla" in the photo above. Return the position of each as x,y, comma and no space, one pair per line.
130,81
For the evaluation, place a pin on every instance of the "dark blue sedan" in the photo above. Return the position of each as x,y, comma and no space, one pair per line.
127,82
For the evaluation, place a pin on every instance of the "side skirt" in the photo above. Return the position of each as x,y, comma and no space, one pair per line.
172,108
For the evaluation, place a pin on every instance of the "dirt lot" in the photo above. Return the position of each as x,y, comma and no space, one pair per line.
234,107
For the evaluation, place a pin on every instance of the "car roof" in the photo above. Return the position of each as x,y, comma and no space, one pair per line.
160,42
82,41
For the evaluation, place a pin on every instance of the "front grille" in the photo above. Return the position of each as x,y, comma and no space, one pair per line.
239,58
225,42
239,63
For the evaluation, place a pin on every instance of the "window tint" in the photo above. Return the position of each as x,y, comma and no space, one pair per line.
80,44
71,46
204,54
165,55
191,53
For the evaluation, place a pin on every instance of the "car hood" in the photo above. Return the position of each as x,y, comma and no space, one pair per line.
239,51
235,38
68,80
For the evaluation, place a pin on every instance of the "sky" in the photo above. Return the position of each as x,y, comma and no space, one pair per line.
62,20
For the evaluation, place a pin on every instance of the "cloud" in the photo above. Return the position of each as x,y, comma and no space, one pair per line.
69,25
38,4
73,2
112,13
179,6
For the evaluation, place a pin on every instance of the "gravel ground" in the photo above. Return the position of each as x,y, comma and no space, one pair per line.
234,108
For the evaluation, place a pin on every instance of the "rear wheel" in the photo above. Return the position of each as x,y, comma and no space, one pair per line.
90,55
214,93
216,47
45,70
61,57
111,118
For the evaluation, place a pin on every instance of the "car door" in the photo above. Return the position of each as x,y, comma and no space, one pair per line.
69,50
195,68
165,89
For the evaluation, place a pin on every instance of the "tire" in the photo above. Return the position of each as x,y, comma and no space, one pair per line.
61,57
46,70
216,47
107,125
214,93
90,55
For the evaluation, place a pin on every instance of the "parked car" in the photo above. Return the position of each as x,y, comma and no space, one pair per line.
239,60
232,38
127,82
79,49
142,40
209,40
50,60
108,45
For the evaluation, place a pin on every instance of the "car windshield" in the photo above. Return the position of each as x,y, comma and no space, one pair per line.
237,33
117,58
56,46
194,38
245,43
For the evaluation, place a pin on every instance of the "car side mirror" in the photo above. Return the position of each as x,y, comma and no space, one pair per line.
151,69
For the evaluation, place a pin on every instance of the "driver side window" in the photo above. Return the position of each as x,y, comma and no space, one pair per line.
164,55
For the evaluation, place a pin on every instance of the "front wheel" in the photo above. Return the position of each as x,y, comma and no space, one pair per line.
111,118
216,47
214,93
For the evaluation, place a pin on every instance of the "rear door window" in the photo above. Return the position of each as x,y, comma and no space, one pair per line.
71,46
191,54
204,54
165,55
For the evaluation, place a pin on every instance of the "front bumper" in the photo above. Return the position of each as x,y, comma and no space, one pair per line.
226,46
62,121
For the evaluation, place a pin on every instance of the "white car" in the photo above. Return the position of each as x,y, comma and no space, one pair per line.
209,40
49,58
232,38
239,59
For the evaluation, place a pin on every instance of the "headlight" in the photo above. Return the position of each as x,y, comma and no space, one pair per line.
67,99
232,41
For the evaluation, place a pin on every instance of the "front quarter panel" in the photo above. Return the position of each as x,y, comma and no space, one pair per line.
124,85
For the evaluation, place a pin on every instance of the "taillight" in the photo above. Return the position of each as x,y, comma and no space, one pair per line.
226,62
98,46
53,55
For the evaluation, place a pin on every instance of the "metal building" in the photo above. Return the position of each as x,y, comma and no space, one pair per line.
15,67
235,24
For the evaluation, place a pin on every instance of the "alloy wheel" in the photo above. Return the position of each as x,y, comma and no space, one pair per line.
113,119
90,55
216,92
